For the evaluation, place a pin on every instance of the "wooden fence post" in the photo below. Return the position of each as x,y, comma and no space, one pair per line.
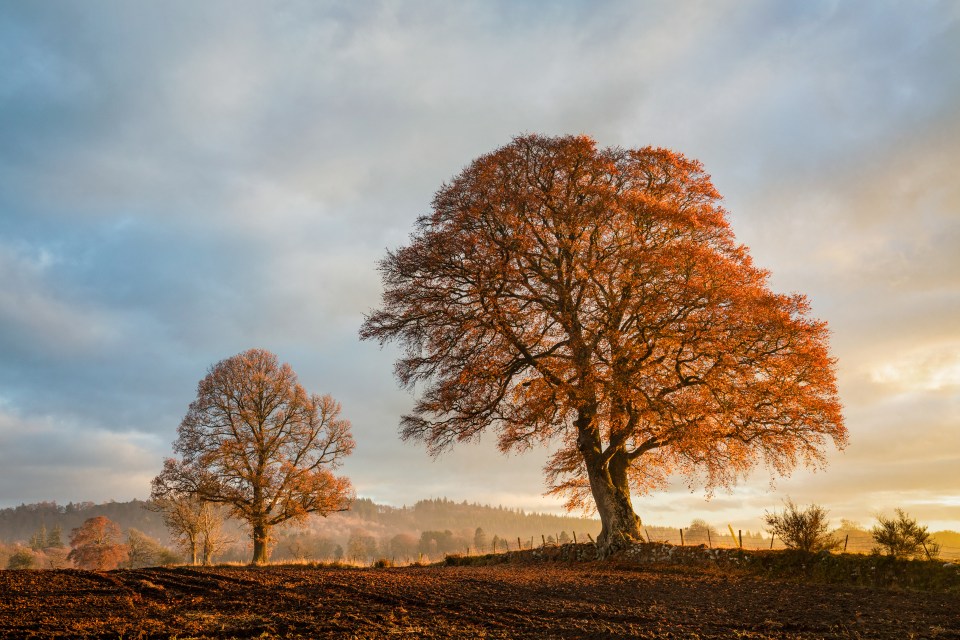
574,537
733,536
544,539
681,536
740,537
772,536
648,534
846,539
709,538
519,544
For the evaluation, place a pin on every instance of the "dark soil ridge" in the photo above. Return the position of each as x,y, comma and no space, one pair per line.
825,567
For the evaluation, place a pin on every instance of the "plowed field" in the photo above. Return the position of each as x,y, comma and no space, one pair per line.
504,601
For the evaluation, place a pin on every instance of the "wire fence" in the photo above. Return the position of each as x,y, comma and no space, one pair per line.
847,541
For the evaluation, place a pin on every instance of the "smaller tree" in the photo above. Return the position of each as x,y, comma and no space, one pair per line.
213,539
255,441
902,537
97,545
806,530
480,540
196,525
22,559
39,539
850,525
181,514
144,551
323,547
298,547
404,545
55,537
701,532
361,546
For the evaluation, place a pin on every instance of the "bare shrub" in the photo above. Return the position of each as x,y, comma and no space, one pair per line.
806,530
902,537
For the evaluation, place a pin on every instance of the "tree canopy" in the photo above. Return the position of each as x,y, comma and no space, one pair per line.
98,545
256,441
597,299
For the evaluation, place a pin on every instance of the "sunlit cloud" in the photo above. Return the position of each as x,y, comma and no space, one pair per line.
934,368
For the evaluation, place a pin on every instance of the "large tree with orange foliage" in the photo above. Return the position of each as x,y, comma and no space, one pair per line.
597,299
256,441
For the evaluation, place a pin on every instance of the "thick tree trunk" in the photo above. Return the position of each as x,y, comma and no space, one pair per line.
193,551
620,526
260,534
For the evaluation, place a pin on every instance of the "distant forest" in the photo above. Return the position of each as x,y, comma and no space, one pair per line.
428,529
425,531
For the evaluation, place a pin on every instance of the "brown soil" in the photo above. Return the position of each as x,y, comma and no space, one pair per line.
503,601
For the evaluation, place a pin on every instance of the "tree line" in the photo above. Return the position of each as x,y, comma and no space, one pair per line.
362,537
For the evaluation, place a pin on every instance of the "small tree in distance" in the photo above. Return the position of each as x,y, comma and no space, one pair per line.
22,559
144,551
806,530
196,524
903,537
480,540
257,442
361,546
54,537
181,514
701,532
39,539
97,545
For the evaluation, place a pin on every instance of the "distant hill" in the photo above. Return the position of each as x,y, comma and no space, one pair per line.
18,524
453,524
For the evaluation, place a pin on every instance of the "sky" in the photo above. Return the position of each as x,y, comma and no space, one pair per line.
182,181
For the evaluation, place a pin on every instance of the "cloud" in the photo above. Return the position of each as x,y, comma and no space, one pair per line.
929,369
33,311
84,460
